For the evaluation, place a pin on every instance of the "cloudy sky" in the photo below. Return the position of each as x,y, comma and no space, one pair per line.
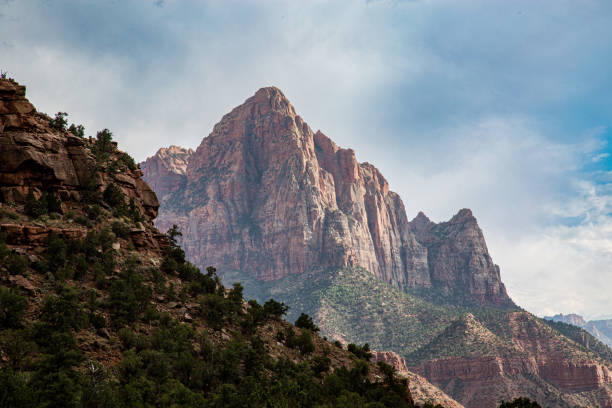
504,107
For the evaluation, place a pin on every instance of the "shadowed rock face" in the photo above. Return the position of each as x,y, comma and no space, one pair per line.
266,195
34,156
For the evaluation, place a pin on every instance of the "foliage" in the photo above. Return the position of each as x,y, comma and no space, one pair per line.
519,403
113,196
12,307
103,146
274,309
305,322
59,122
77,130
360,351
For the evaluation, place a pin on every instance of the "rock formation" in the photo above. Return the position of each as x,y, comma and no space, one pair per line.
517,355
35,157
167,170
265,195
422,390
600,329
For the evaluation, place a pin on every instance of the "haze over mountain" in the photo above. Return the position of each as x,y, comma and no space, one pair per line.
289,214
600,329
454,104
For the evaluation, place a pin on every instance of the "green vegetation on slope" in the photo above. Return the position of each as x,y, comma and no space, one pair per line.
352,304
87,323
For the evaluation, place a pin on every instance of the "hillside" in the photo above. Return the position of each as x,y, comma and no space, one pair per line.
99,309
600,329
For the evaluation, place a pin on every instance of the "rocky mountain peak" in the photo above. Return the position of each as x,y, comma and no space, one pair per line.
167,169
464,215
267,196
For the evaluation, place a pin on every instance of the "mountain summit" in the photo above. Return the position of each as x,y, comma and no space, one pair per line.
265,195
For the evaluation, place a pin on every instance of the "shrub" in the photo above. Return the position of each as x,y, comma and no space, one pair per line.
274,309
305,322
320,365
113,196
104,145
304,342
54,205
77,130
12,307
520,403
128,161
213,308
97,320
361,352
16,264
59,122
128,297
120,229
62,311
55,252
33,207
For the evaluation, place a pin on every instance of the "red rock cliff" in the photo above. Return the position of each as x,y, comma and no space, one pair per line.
266,195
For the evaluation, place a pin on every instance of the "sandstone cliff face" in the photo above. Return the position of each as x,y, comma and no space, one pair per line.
37,157
459,260
167,170
266,195
523,357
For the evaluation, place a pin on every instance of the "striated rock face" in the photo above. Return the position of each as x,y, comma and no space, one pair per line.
459,260
523,357
266,195
167,170
36,157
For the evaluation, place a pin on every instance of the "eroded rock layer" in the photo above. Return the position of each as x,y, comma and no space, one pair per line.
266,195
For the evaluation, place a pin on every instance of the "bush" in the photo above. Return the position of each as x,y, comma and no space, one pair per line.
520,403
114,196
12,307
274,309
305,322
213,308
54,205
104,145
78,131
16,264
304,342
59,122
360,352
120,229
33,207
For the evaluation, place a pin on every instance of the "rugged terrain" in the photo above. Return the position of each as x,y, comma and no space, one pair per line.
600,329
100,309
291,215
265,195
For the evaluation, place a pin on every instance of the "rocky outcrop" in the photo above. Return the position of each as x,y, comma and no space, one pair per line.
422,390
40,158
458,258
519,356
265,195
167,170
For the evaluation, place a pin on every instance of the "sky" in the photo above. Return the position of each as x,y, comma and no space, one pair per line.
504,107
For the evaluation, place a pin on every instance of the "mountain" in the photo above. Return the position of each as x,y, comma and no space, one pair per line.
600,329
518,354
100,309
265,195
291,215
